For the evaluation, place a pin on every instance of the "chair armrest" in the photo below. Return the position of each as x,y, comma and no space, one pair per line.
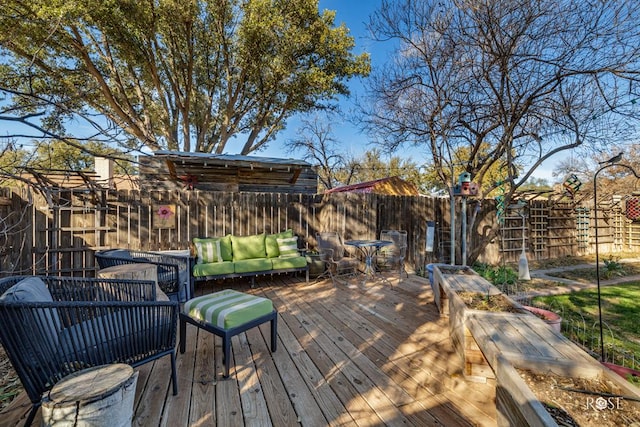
98,289
326,254
157,258
46,341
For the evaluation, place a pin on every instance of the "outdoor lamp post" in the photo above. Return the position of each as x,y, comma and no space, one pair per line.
606,164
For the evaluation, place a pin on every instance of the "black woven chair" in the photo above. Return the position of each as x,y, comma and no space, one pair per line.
174,272
54,326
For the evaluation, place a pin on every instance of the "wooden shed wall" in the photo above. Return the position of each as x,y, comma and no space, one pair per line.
154,175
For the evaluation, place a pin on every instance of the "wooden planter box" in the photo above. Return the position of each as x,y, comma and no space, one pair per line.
479,335
517,404
448,281
460,330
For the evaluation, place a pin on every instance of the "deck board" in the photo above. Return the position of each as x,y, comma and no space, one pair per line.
349,355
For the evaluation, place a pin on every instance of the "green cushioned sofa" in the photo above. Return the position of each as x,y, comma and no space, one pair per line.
247,256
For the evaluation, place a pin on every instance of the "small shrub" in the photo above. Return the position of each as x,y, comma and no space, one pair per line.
612,267
500,275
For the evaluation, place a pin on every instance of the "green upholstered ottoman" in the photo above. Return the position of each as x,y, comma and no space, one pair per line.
225,314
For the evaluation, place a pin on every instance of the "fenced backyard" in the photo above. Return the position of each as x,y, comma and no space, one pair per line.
57,232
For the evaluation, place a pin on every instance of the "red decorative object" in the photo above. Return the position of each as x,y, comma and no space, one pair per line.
633,209
190,181
623,371
165,212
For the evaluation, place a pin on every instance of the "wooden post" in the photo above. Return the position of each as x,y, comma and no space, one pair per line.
134,271
96,397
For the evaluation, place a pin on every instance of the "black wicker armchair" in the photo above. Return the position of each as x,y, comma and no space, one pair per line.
174,272
54,326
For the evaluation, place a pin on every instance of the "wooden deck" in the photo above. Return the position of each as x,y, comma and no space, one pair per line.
360,355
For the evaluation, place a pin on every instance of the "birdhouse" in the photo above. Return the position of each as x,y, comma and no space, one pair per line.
572,184
466,189
464,177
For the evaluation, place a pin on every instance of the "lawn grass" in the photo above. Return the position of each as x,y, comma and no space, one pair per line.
620,313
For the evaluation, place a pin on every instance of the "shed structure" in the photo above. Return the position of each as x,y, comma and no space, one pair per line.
230,173
391,186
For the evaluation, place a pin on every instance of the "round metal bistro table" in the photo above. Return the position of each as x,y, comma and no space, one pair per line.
369,249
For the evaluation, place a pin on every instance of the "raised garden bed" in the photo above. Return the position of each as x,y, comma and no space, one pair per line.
467,308
484,323
564,395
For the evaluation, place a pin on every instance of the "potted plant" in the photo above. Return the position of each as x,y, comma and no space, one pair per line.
550,318
316,265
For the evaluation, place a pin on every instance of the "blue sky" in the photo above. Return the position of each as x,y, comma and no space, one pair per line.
355,14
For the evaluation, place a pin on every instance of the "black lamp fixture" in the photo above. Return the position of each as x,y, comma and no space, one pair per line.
605,164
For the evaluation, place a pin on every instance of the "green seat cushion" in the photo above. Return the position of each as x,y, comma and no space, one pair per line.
227,309
252,265
248,247
213,269
271,242
289,262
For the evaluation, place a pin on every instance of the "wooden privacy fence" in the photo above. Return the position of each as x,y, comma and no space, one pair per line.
59,233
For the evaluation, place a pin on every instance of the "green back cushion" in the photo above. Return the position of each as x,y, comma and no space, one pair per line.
288,246
248,247
227,309
225,247
207,250
271,242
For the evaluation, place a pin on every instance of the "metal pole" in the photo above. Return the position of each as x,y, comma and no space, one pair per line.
452,234
595,217
463,231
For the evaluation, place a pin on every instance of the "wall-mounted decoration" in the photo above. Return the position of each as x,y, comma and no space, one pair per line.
571,185
164,216
190,181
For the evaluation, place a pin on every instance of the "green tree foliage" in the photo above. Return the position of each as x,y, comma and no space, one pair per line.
373,164
317,144
12,159
185,75
60,156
